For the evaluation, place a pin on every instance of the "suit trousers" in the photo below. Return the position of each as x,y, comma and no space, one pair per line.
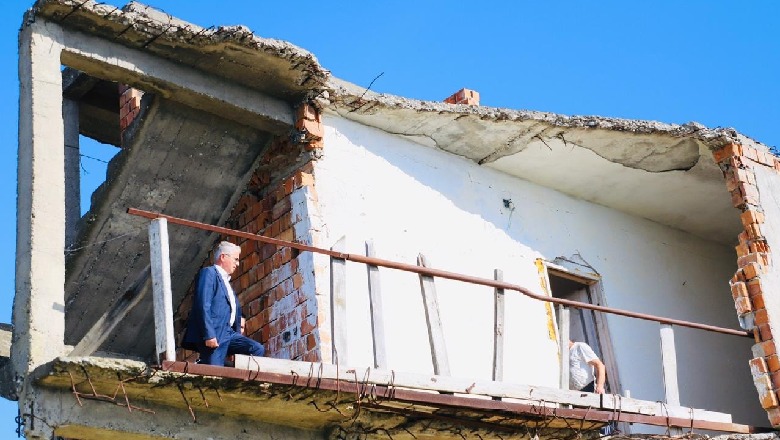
233,343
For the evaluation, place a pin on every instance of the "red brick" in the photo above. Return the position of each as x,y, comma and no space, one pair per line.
765,332
752,216
297,281
758,301
753,287
727,151
743,306
312,128
760,258
764,349
308,325
752,270
303,179
742,250
760,316
739,289
307,111
287,235
758,366
773,363
775,378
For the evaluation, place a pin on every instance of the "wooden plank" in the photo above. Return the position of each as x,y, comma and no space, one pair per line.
469,386
498,329
435,333
669,364
338,303
161,288
375,304
669,361
563,344
605,339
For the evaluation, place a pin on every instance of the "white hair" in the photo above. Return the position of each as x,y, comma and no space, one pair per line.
225,247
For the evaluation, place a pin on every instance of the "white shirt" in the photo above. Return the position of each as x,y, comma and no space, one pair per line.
231,294
580,371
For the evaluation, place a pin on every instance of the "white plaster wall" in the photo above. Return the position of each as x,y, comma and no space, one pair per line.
410,199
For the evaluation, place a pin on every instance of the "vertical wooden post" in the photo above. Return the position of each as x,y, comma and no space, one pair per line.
441,365
669,364
338,303
563,343
375,304
669,359
161,288
498,329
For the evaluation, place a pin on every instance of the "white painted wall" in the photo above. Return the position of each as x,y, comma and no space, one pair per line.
409,199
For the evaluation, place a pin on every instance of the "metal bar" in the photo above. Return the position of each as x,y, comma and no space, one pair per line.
439,273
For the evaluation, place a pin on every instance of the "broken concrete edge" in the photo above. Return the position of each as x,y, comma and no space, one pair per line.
65,373
346,99
739,163
140,25
340,96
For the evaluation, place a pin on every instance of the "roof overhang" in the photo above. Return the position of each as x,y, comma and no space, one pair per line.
661,172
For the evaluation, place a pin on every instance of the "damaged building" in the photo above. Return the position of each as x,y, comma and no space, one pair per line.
413,269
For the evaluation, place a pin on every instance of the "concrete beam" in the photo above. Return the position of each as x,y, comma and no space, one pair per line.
39,305
58,412
105,59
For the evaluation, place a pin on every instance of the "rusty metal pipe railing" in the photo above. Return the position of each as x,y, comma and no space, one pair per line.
427,271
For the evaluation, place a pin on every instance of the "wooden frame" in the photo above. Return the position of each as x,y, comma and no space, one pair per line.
595,292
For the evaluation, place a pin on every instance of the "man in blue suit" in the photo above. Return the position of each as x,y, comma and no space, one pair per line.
214,324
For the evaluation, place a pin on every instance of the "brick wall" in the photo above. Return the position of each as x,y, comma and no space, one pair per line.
754,259
129,105
275,285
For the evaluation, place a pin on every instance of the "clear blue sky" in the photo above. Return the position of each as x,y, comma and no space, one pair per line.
714,62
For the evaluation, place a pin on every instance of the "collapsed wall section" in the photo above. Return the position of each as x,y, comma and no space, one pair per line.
753,179
274,284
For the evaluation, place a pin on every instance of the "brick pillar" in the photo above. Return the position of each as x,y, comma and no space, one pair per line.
754,261
129,105
464,96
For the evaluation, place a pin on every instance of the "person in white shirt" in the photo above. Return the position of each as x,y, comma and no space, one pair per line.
214,323
586,371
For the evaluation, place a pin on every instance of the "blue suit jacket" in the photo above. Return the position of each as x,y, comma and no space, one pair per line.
210,310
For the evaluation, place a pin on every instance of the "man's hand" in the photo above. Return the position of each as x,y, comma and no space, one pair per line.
212,343
599,389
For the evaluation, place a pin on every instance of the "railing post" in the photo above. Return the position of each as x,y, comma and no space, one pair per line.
563,343
441,364
375,303
669,364
161,288
338,303
498,329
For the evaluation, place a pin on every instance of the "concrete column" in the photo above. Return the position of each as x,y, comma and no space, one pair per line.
70,118
39,305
